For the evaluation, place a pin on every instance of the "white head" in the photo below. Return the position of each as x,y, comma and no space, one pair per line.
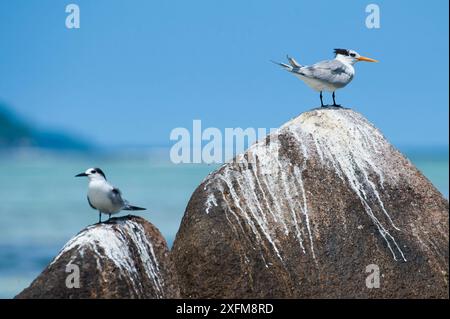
93,173
350,56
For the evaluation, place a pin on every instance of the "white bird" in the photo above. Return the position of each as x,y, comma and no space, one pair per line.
104,197
329,75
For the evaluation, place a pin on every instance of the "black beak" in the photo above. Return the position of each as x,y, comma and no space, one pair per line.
81,175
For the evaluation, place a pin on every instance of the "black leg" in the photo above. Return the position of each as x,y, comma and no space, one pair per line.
99,217
321,101
109,217
334,101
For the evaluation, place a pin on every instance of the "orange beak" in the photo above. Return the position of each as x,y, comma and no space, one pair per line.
363,58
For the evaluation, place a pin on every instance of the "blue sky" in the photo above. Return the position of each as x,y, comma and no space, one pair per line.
137,69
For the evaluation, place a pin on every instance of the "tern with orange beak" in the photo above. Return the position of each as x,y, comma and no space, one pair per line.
329,75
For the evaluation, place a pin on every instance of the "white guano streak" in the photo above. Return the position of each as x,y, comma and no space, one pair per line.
115,246
343,141
254,191
349,144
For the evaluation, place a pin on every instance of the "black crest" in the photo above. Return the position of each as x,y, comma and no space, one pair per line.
341,51
98,170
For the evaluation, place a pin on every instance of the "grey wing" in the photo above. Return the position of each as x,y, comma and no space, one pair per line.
328,71
116,197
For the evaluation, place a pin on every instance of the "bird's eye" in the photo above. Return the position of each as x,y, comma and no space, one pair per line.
352,54
93,172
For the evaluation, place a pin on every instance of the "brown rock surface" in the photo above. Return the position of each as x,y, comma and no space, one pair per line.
302,214
124,258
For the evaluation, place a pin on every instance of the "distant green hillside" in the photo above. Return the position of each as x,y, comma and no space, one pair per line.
15,132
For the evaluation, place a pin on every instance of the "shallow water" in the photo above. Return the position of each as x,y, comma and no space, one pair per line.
42,205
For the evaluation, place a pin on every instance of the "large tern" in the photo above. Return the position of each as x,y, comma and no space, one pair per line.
329,75
104,197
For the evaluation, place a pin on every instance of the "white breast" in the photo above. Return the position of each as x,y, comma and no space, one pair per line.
98,194
317,84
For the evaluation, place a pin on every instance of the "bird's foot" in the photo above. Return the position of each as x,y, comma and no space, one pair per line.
336,105
110,220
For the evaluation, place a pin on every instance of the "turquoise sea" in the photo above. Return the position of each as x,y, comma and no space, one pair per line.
42,205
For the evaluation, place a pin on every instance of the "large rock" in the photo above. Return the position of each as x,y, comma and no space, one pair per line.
124,258
307,211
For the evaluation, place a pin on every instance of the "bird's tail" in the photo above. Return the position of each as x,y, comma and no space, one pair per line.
283,65
293,63
292,66
131,207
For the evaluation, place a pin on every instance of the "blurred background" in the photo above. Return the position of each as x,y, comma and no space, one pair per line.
109,93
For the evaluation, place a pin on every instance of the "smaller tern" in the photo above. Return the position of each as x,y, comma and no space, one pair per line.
104,197
329,75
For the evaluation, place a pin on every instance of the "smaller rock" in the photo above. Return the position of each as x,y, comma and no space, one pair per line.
124,258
